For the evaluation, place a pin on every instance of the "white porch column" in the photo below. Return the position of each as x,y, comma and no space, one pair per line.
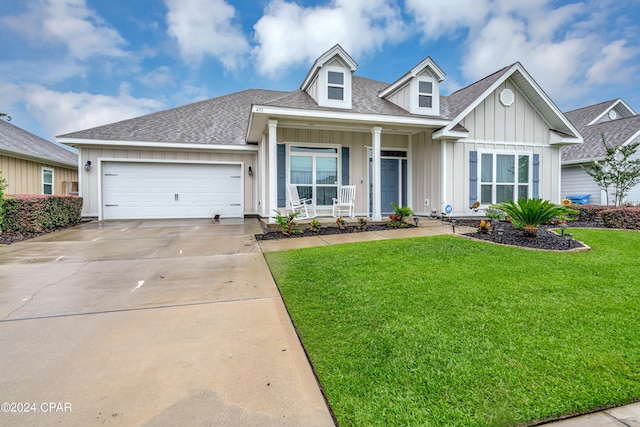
377,188
273,169
264,178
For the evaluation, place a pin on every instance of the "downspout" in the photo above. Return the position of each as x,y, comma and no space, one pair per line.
443,174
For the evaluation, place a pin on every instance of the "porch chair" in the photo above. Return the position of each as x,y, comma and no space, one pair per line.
306,207
345,203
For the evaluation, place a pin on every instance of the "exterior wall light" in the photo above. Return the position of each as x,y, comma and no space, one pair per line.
250,171
87,166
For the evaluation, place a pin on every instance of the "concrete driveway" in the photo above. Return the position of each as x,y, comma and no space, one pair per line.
154,323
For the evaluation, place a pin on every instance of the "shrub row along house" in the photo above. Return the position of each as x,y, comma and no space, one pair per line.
620,125
498,139
33,165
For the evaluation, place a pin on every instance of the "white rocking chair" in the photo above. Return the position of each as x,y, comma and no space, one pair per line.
345,203
306,207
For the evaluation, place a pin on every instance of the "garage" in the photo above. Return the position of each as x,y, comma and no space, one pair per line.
138,190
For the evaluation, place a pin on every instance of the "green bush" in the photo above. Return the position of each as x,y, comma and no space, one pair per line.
528,214
3,186
31,213
628,218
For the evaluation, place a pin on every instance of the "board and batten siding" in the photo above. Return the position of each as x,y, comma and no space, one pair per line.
425,173
520,122
25,176
89,182
357,142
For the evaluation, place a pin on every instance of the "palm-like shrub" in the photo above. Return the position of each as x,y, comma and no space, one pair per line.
528,214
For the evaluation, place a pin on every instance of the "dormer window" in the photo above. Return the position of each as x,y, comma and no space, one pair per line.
425,94
335,88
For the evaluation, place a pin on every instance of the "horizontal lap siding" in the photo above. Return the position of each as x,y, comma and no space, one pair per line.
90,180
576,181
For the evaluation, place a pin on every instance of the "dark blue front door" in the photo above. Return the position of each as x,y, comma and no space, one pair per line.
390,184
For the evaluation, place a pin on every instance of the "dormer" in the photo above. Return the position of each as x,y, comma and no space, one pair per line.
329,80
617,110
418,91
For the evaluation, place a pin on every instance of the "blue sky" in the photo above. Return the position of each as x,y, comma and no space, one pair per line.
68,65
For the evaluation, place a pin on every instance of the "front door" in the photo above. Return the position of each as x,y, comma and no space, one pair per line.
393,181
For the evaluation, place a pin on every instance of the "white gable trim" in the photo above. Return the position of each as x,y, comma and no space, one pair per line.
426,63
336,50
517,67
617,102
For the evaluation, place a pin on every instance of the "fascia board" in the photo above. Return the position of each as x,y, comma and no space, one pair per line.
155,145
35,159
346,116
445,134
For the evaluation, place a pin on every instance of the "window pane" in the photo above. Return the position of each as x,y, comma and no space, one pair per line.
304,192
326,170
335,78
504,193
335,92
325,195
487,168
505,168
523,169
425,87
314,150
301,170
485,194
424,101
523,191
47,177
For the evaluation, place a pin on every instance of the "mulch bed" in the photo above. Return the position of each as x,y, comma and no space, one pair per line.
277,235
546,239
9,238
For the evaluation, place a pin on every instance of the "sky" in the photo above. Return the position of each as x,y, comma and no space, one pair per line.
69,65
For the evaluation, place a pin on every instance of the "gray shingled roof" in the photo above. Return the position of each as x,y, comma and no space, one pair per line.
365,100
221,120
451,106
616,132
19,141
224,120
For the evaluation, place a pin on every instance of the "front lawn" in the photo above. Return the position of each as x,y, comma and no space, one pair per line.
448,331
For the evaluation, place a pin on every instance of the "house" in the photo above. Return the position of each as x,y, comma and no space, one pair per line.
404,142
32,165
620,126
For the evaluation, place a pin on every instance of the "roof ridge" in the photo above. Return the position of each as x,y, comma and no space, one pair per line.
482,79
592,105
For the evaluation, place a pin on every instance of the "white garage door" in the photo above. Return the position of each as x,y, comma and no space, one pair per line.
171,190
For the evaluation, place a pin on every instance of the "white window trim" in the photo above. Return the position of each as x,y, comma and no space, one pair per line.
323,88
494,183
338,155
53,180
415,96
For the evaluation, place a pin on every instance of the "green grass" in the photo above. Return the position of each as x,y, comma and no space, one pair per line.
447,331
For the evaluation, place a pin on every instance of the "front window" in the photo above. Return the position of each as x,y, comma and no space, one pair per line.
315,172
336,85
504,177
425,94
47,181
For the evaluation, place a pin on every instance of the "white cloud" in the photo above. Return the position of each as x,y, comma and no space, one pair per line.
437,18
205,27
159,77
289,34
70,23
64,112
611,63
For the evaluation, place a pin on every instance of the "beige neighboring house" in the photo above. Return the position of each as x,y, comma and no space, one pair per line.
33,165
497,139
620,125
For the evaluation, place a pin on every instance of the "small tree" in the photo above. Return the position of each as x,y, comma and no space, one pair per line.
618,170
3,186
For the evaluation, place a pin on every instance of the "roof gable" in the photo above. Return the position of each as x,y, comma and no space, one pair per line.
335,52
19,143
459,104
427,65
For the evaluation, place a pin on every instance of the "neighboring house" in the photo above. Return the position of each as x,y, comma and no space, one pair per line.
32,165
620,125
495,140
